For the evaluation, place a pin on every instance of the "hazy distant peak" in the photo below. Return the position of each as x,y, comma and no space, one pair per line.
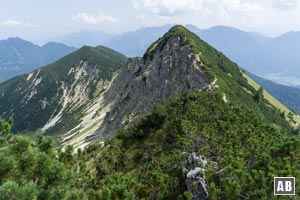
16,40
55,44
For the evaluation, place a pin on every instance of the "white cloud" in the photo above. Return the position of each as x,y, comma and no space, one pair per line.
12,23
213,10
267,16
94,20
203,13
167,7
236,11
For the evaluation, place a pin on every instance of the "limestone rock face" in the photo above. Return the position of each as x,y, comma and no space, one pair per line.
172,69
195,180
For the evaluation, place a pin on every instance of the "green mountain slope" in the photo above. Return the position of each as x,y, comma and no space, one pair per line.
225,75
289,96
45,97
240,137
293,118
177,62
244,152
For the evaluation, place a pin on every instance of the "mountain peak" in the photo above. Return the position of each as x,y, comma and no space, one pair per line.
176,63
17,41
179,31
185,36
169,67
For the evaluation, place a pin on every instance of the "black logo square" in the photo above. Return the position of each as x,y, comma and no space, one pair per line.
284,185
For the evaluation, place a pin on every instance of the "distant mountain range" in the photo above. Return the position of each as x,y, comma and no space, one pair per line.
131,43
19,56
273,58
82,38
268,57
135,43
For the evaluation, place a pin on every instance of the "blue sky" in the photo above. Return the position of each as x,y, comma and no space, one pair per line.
36,19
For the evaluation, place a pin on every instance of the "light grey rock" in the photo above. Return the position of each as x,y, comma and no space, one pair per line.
145,81
195,179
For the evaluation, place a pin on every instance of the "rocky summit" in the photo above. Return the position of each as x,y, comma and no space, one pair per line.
171,69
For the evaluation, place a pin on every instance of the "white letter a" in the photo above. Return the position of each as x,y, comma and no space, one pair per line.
280,186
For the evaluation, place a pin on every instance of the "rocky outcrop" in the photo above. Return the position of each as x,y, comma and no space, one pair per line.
195,179
172,68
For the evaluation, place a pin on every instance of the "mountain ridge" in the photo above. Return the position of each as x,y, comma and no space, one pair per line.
101,106
200,51
52,89
154,77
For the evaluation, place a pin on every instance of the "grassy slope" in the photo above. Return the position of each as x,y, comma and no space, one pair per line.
105,59
96,56
274,101
288,96
30,116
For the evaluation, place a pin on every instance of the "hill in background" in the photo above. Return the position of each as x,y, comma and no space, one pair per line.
18,56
